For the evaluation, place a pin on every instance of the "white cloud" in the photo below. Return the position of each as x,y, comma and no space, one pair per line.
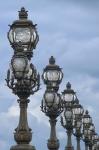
33,109
13,111
61,135
2,144
41,118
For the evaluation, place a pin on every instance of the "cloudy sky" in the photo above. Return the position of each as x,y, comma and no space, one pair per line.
68,30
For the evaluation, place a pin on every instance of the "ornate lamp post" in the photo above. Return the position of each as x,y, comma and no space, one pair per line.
78,113
67,119
51,103
97,146
91,136
22,78
95,140
67,123
87,121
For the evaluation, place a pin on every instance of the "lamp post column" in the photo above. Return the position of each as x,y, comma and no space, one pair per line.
69,142
87,121
86,146
78,114
23,134
53,142
78,143
90,147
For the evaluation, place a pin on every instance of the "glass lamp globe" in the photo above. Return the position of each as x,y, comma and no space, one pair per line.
20,66
23,33
87,132
87,120
50,98
52,74
96,137
30,73
78,124
56,103
77,109
31,76
92,128
68,94
68,115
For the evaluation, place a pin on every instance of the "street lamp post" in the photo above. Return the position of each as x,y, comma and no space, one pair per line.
67,123
97,144
78,113
95,140
67,118
91,136
87,121
51,104
78,133
22,76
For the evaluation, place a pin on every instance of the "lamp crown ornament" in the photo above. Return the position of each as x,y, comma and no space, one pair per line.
68,89
23,13
86,112
76,100
68,85
52,60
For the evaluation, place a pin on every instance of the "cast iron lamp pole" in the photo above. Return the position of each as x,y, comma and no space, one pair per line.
78,113
78,133
95,140
97,145
51,104
22,76
91,136
67,123
87,121
67,118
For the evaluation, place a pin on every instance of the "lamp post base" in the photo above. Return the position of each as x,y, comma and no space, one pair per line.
69,148
23,147
53,144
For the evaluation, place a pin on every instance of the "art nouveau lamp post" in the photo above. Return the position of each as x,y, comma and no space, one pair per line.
91,136
95,139
87,121
78,113
52,104
22,76
97,144
67,117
